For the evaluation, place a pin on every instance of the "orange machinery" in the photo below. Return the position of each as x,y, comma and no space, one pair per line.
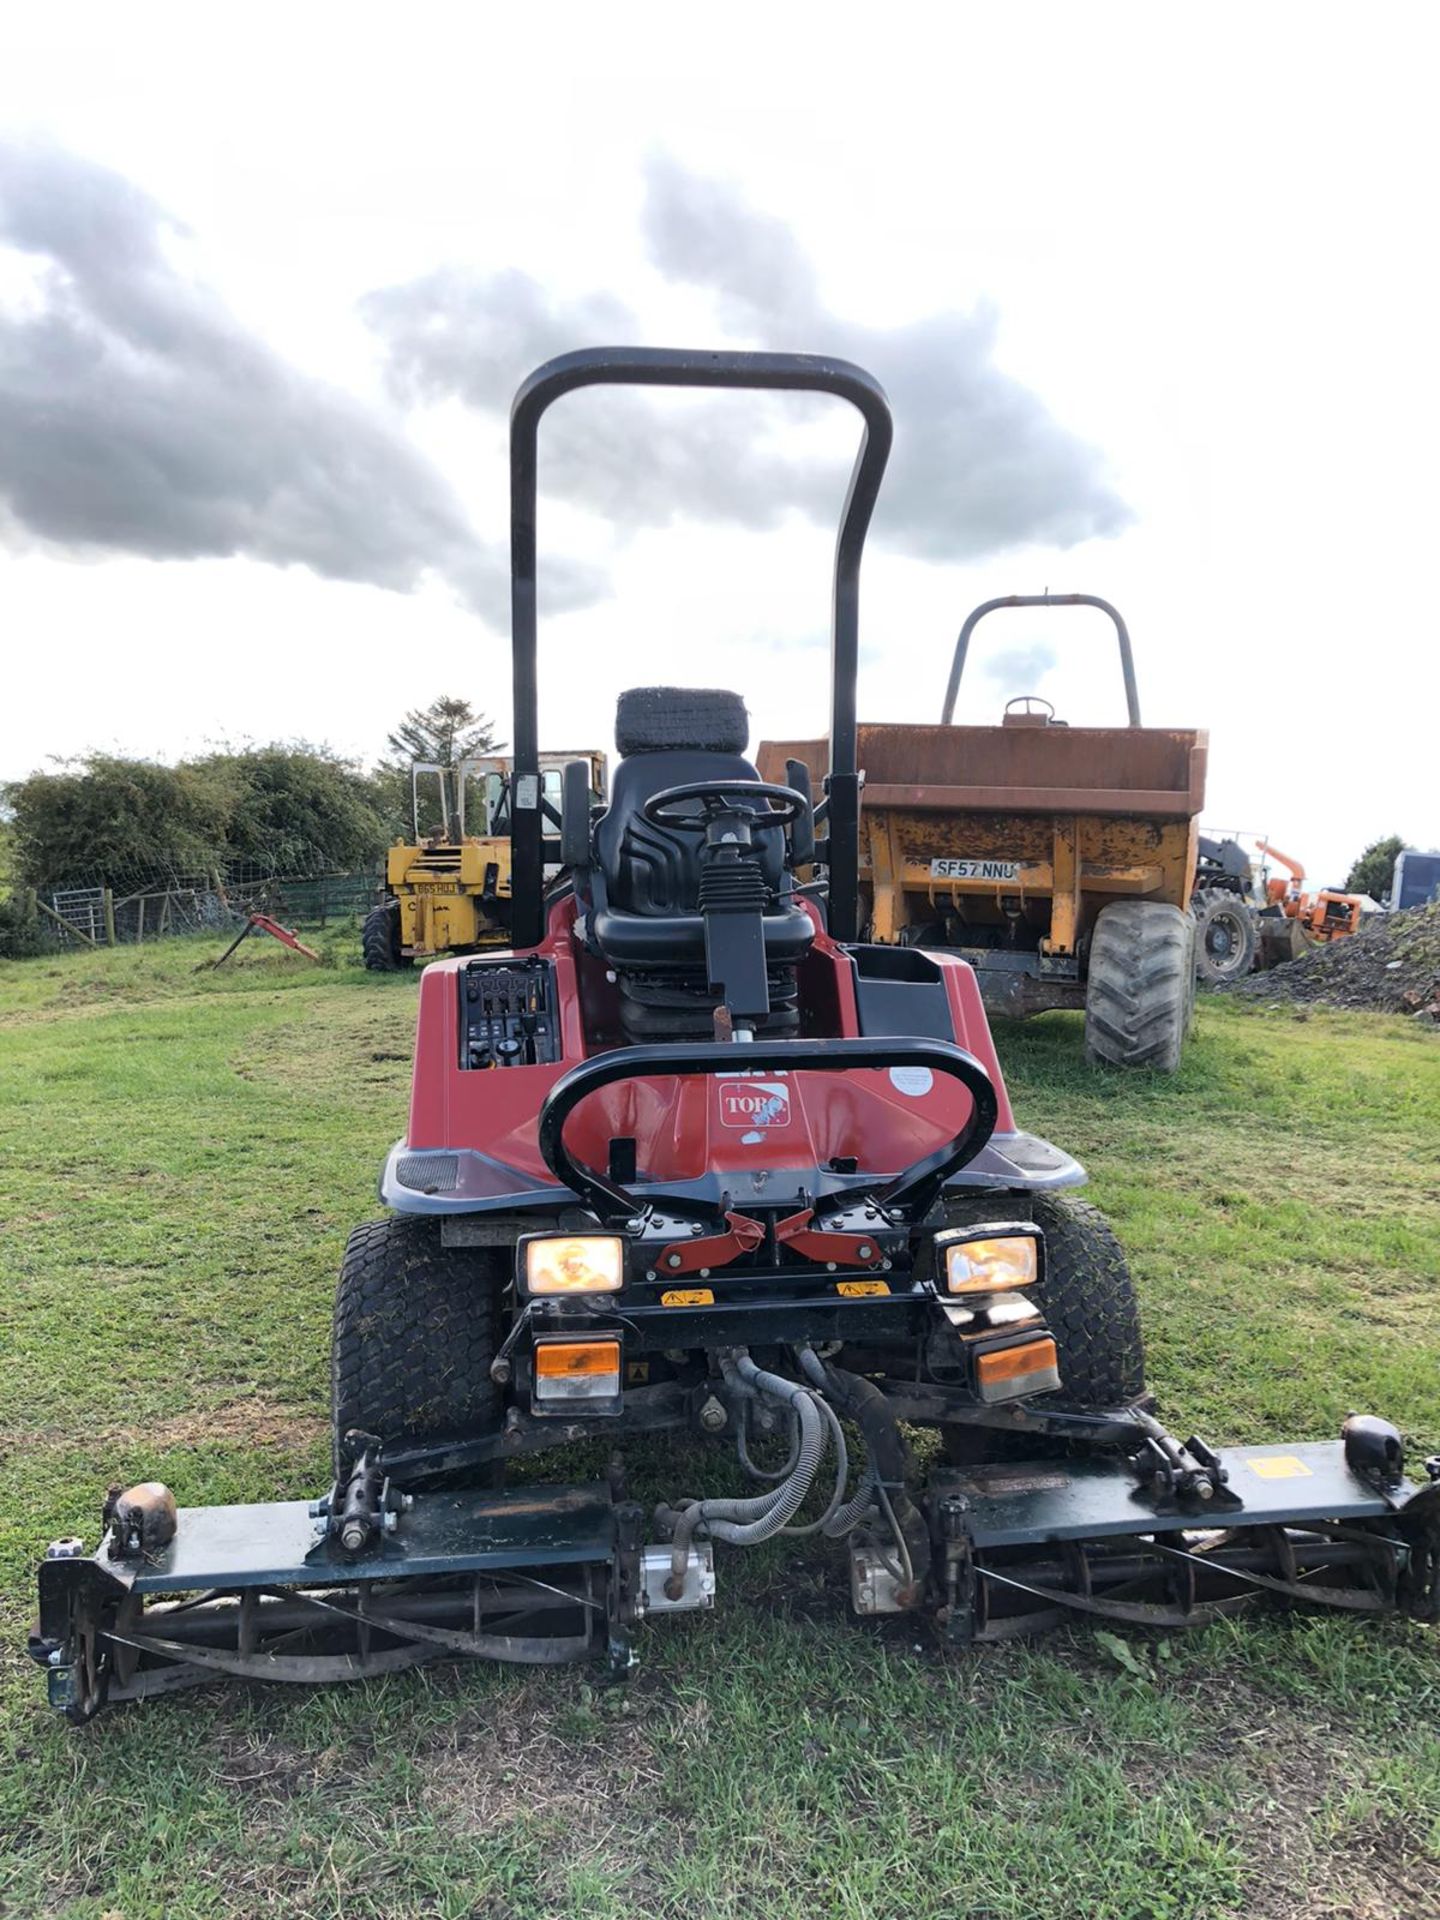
1325,915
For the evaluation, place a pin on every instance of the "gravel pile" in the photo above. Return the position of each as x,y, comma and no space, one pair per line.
1391,966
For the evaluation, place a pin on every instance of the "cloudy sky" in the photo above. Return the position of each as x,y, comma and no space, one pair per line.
1152,291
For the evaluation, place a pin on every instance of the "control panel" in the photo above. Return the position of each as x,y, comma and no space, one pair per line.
507,1013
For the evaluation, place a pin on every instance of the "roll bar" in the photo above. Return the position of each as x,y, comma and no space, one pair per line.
911,1191
682,367
962,645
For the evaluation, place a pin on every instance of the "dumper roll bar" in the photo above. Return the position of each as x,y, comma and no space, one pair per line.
962,645
684,367
911,1191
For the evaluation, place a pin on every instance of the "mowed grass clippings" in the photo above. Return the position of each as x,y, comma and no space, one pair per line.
182,1155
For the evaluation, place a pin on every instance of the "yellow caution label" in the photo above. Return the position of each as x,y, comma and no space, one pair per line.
1279,1466
637,1372
687,1297
861,1289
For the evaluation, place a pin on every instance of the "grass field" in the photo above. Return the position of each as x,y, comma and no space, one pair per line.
181,1156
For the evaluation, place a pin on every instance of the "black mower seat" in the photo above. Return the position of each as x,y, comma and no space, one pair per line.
647,907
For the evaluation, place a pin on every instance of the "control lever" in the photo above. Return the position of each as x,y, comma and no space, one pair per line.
528,1024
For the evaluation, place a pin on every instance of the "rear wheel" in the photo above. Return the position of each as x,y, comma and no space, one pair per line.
1088,1299
1141,987
380,939
1225,936
416,1328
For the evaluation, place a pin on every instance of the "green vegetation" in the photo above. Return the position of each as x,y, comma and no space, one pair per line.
292,808
1374,871
286,810
181,1156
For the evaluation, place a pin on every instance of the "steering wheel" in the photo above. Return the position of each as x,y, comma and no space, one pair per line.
720,796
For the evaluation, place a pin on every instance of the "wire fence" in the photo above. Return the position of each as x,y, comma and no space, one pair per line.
204,901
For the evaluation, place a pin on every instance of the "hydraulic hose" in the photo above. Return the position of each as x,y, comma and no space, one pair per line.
845,1519
889,1457
742,1448
786,1500
842,1475
746,1522
840,1520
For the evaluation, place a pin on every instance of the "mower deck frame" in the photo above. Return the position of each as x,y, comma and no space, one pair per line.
547,1574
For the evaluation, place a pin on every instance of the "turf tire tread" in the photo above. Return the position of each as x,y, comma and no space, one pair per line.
1139,998
380,939
416,1327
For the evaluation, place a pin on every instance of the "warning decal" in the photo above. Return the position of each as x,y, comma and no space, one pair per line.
1279,1466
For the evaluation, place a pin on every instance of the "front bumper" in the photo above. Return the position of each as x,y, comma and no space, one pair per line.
746,1316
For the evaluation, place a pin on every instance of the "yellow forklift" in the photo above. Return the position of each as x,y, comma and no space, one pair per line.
449,888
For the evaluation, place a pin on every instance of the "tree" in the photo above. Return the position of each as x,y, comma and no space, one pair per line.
446,732
442,734
1373,872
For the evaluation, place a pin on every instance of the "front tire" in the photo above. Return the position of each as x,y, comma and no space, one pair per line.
1140,992
416,1327
380,939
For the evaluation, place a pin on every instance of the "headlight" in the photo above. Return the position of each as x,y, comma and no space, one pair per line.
989,1259
574,1263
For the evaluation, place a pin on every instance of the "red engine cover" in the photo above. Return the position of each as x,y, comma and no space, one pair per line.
687,1126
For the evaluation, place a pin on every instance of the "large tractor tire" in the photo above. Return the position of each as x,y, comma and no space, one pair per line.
380,939
1088,1299
1140,995
416,1328
1226,936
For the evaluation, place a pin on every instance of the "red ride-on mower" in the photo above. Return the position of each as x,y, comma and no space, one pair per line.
691,1159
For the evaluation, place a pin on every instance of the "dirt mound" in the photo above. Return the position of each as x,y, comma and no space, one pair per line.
1391,966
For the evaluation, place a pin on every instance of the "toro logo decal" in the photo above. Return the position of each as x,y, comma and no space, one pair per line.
754,1103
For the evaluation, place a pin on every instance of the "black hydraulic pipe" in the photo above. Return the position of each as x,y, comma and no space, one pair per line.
862,1401
683,367
962,645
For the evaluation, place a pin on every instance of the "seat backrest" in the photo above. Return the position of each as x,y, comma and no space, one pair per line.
656,870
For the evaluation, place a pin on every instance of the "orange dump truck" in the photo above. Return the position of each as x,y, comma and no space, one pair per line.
1059,860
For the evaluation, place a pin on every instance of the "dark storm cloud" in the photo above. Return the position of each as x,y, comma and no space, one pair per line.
979,467
138,416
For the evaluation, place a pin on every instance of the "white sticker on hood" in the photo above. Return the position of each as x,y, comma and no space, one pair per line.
912,1080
